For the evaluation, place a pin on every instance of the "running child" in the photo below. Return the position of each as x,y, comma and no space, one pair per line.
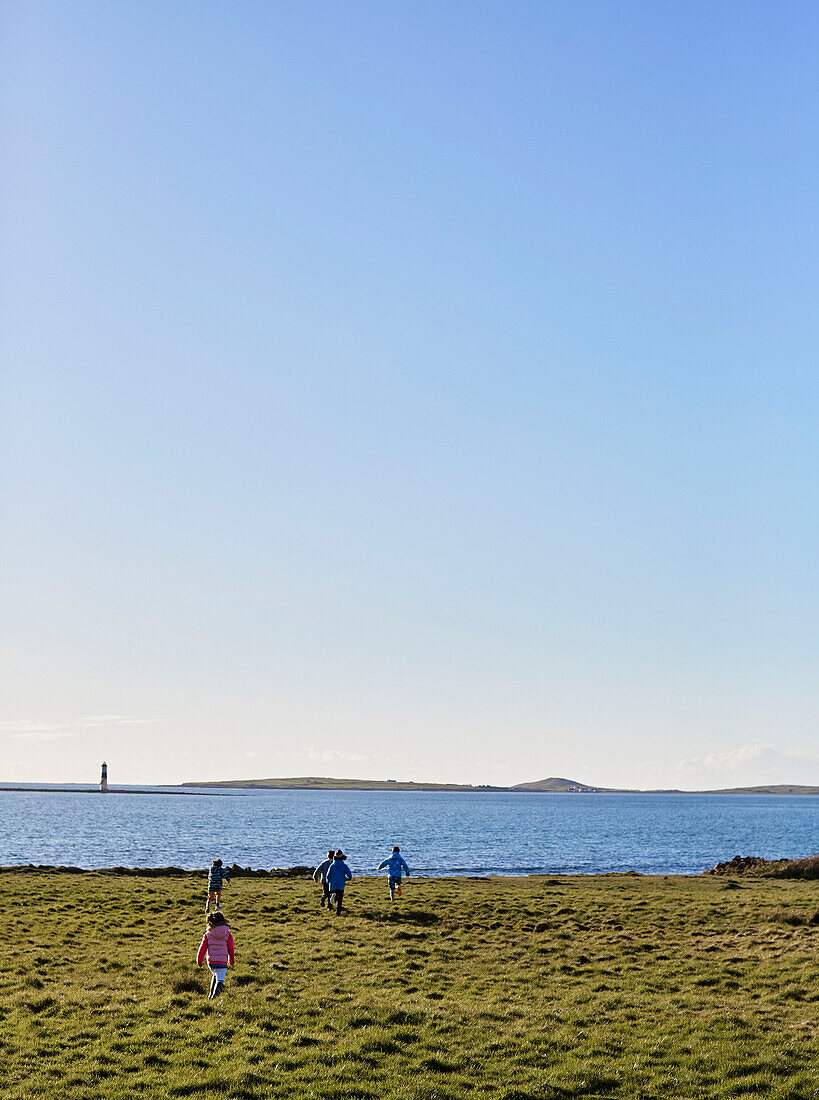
320,875
397,867
217,946
338,874
217,876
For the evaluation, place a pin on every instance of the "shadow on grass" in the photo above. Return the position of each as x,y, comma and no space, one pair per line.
187,983
421,917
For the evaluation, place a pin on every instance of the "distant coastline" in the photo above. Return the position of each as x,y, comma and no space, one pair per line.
553,785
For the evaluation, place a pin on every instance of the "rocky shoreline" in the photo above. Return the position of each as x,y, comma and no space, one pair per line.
235,871
807,868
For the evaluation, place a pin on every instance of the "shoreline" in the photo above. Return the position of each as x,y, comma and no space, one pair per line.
752,867
116,790
307,872
154,872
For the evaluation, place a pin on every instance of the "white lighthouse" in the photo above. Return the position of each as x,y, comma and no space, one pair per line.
104,777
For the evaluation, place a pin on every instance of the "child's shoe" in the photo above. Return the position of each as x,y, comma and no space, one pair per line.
219,987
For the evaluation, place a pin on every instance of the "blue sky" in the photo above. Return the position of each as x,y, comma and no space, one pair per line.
416,391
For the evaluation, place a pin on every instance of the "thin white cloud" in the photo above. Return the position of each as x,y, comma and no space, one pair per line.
43,735
748,765
335,756
116,720
26,729
743,766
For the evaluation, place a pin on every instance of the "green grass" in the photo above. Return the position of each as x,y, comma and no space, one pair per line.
515,989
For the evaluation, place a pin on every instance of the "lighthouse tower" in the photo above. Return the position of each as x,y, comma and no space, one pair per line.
104,777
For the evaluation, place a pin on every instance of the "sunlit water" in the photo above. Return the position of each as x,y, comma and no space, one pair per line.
439,833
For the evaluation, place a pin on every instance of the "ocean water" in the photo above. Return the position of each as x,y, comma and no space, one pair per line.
440,833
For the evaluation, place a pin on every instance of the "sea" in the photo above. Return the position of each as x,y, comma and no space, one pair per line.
440,833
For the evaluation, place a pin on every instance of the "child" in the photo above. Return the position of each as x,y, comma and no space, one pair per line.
397,866
217,944
337,875
320,875
216,876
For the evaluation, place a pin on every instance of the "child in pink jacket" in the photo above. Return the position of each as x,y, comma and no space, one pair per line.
217,944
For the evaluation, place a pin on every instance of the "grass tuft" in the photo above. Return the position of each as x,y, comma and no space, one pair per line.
807,868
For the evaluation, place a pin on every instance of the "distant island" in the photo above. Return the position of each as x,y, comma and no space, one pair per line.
321,783
553,785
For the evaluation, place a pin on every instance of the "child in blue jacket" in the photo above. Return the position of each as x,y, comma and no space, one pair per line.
337,875
217,877
397,867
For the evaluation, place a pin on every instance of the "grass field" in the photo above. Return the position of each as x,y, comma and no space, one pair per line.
609,986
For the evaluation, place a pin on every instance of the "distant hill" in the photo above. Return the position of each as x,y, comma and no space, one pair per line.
553,785
322,783
568,785
771,788
562,786
556,784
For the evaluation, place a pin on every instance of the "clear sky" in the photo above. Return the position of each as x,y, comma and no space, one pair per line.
410,391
